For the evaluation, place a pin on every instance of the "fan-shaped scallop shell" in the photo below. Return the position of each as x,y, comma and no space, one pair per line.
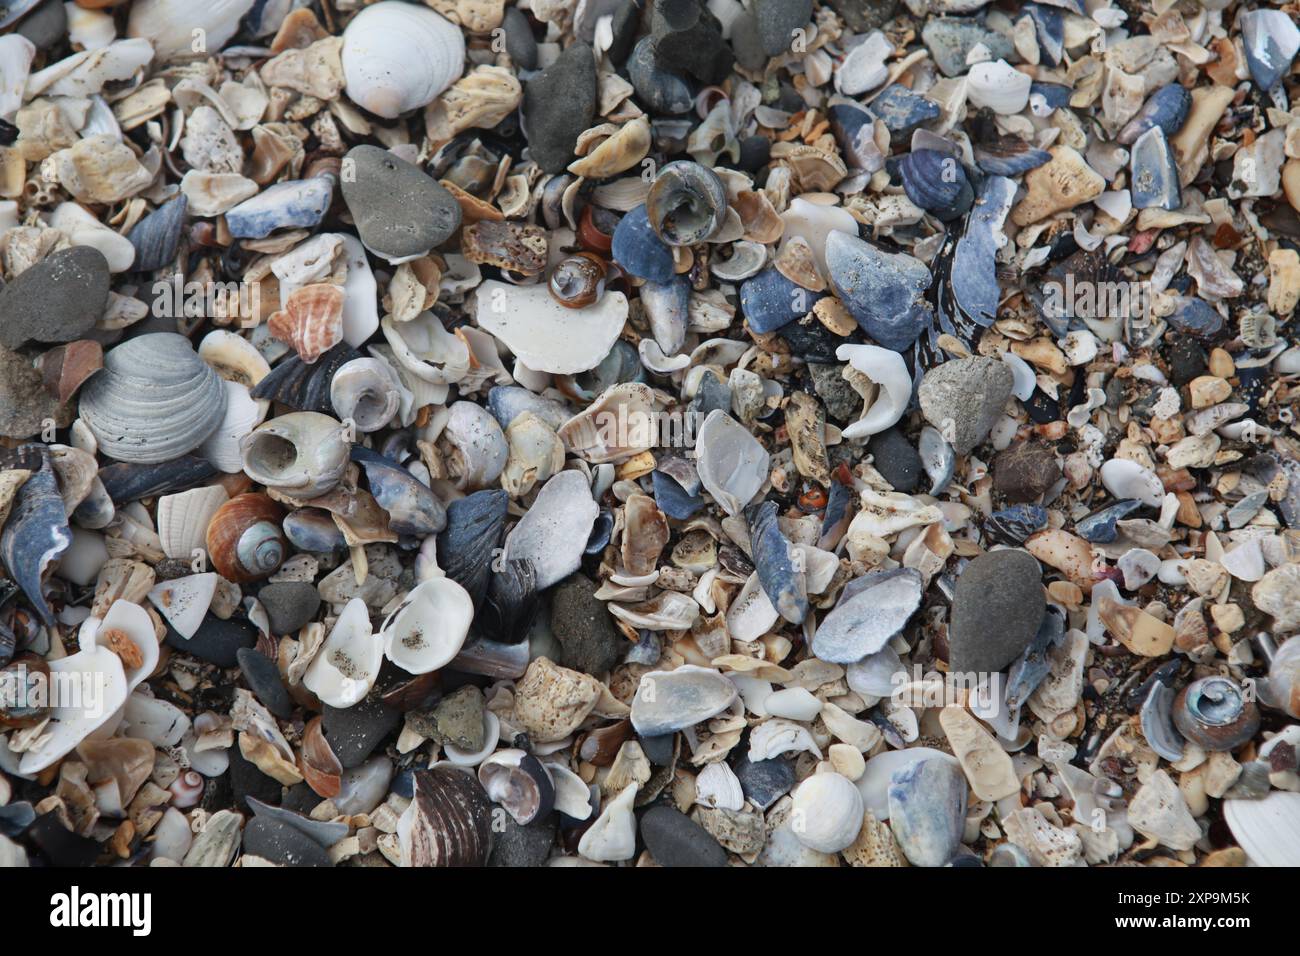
399,57
154,400
311,320
183,519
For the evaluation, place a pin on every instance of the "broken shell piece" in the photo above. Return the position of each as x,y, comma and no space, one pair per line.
732,465
428,629
184,602
525,318
347,663
871,610
612,836
887,382
669,701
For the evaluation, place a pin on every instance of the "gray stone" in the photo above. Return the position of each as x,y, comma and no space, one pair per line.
398,209
950,40
764,781
842,402
458,719
523,846
216,641
996,610
57,300
520,42
777,21
964,397
559,103
283,844
263,678
896,459
863,16
1024,471
24,403
584,627
46,25
674,839
289,605
354,732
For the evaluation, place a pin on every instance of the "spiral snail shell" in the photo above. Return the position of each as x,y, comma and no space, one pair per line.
245,542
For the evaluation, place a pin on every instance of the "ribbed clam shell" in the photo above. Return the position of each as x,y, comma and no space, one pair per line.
171,25
183,519
154,401
399,57
466,545
311,320
448,821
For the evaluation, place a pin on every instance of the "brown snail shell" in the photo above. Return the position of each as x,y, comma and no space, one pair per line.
448,821
245,542
1215,714
578,281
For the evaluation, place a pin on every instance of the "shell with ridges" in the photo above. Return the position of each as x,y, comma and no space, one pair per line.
311,320
398,57
183,519
244,539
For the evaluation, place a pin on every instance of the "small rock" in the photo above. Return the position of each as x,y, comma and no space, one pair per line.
863,16
283,844
1187,360
248,781
558,106
584,627
24,402
777,21
57,300
842,402
523,846
764,781
216,641
354,732
520,42
398,209
1062,183
692,43
951,39
458,719
996,610
964,397
289,605
896,459
263,678
1024,471
674,839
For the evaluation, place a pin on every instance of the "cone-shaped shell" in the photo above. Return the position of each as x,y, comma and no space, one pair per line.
154,400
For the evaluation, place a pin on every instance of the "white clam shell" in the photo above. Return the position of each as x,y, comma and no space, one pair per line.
732,464
1127,479
360,312
234,358
428,628
525,319
399,57
176,27
751,614
1268,829
613,836
426,349
999,86
718,786
86,73
185,601
183,519
16,55
243,414
887,370
345,667
827,812
874,782
794,703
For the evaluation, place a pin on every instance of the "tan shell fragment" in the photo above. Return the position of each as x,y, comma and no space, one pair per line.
988,767
875,845
618,153
479,100
1062,183
100,169
805,420
1047,845
1137,630
315,71
1159,812
551,702
1068,553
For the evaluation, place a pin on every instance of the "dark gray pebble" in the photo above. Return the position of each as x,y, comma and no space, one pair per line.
674,839
996,610
289,605
896,459
584,627
354,732
559,103
283,844
399,210
216,641
263,678
57,300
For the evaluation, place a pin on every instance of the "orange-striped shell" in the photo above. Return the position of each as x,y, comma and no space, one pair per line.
245,541
311,320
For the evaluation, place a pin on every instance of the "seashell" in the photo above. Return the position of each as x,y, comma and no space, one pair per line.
36,531
83,229
302,453
154,401
1027,671
770,301
827,812
233,357
244,539
732,465
901,110
1284,678
595,434
888,382
309,529
519,782
578,280
427,350
1127,479
1271,40
65,368
669,701
1101,527
645,534
448,821
975,289
927,810
1009,156
467,544
367,392
1215,714
1166,108
171,25
478,447
936,182
428,629
347,663
553,534
519,248
512,602
612,836
524,319
1153,172
1268,829
666,305
864,68
617,153
998,86
1159,812
183,519
311,320
1158,728
784,586
299,203
411,506
871,610
667,611
686,204
884,291
398,57
638,249
747,259
660,90
11,10
536,453
360,312
937,458
987,766
184,602
243,414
